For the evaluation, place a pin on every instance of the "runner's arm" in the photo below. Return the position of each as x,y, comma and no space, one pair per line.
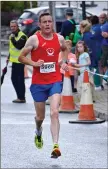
64,51
32,43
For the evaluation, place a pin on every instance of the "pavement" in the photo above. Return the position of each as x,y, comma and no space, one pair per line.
101,105
82,146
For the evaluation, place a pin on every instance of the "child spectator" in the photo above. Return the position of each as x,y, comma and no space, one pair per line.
84,63
71,59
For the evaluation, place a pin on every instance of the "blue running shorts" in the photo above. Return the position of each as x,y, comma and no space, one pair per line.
40,92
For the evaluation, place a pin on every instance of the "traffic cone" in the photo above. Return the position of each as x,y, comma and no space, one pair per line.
67,100
86,112
26,76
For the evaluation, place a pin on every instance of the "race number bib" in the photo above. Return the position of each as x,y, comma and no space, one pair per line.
47,67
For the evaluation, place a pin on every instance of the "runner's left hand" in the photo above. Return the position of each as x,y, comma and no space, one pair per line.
64,66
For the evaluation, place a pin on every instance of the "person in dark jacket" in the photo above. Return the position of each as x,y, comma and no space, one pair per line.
67,26
102,18
104,30
17,41
96,35
66,29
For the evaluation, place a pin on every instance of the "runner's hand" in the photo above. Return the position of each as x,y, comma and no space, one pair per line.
39,63
64,66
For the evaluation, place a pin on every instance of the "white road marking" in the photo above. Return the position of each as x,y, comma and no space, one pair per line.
4,122
18,112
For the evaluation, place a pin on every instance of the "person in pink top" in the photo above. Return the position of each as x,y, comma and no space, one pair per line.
71,59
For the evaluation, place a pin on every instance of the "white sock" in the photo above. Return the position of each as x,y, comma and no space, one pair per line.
39,132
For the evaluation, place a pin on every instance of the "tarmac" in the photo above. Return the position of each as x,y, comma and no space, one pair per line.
101,104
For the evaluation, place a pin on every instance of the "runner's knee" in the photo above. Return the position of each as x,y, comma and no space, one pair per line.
54,113
40,117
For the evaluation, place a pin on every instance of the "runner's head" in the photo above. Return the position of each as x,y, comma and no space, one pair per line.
46,23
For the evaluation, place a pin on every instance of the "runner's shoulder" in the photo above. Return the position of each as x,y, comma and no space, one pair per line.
60,37
33,37
32,41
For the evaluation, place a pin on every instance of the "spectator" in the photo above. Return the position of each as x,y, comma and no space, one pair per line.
102,18
71,59
88,18
96,31
17,42
84,62
105,47
96,35
67,26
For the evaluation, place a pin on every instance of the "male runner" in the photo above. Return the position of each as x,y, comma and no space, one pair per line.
45,46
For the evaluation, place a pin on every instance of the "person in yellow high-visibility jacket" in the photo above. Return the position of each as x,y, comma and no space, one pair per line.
17,41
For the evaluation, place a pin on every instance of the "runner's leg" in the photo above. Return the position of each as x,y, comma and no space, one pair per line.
54,108
40,113
55,125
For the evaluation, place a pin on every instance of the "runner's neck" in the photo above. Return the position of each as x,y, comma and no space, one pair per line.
47,36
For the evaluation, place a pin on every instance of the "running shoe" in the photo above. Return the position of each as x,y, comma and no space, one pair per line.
56,151
38,141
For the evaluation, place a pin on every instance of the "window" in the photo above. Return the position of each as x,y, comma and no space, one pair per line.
59,13
77,15
26,15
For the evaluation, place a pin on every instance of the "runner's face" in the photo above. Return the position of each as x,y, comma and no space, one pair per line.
46,24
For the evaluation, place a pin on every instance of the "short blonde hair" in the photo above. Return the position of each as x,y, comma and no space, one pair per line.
85,24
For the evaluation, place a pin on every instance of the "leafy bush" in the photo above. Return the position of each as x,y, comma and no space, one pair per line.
13,6
12,10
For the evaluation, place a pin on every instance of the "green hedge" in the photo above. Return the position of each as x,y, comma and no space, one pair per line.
12,10
13,6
